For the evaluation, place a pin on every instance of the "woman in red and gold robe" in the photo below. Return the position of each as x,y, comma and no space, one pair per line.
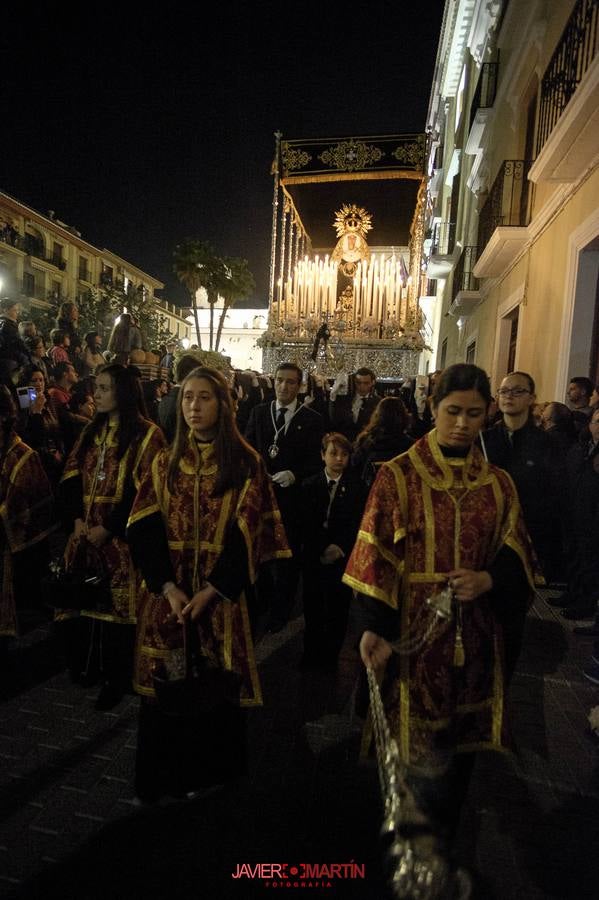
98,487
26,516
440,516
203,522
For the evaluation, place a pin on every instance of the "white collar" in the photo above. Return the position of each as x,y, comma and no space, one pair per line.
291,407
330,477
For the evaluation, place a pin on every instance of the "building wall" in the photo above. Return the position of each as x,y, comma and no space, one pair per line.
44,279
551,275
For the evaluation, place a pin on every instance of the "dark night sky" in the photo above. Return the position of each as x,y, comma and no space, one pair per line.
144,131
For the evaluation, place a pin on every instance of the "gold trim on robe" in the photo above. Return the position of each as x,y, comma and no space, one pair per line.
433,514
197,524
125,582
26,518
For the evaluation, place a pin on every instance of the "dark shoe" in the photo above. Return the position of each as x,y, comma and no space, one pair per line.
587,630
591,673
579,612
109,697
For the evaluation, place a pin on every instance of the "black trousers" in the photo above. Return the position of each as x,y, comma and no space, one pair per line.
326,607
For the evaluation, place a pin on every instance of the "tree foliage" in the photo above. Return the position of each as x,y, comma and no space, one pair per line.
197,265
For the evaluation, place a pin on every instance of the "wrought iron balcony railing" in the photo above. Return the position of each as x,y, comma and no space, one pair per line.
35,247
507,203
443,239
12,238
463,279
484,96
571,59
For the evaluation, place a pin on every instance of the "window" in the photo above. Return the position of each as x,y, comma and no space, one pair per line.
107,274
83,269
34,246
57,254
443,354
28,284
471,352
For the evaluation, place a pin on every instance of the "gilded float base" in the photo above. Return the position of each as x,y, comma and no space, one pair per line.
385,358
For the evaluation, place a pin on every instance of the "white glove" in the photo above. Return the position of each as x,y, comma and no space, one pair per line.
284,479
340,386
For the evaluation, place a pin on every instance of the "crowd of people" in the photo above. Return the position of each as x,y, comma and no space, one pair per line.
216,505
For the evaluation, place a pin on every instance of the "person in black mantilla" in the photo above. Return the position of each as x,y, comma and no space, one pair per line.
332,506
287,436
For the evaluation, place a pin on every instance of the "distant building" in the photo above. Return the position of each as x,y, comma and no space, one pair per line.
44,261
241,330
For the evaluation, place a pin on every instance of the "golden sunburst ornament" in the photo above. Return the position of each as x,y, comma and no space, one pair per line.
351,224
353,219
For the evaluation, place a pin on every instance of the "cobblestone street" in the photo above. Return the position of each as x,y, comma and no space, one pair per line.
68,829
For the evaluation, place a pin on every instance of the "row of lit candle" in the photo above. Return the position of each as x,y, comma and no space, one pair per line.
379,286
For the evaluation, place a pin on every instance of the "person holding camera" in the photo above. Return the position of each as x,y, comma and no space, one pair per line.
39,425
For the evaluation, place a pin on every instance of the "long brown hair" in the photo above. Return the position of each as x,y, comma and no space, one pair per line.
390,416
132,419
235,459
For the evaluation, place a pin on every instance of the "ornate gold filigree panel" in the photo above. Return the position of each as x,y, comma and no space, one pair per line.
351,155
293,159
411,154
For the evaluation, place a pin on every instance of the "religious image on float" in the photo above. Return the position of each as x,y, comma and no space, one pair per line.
361,296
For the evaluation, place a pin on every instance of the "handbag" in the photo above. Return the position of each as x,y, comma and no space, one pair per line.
83,584
203,687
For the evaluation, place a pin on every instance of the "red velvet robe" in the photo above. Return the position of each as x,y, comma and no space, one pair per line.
426,515
196,526
25,517
108,492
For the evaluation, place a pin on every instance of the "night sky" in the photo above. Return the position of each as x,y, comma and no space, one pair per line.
144,131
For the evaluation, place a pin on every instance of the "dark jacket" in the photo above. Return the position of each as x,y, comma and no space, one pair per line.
12,346
299,452
531,460
344,516
377,449
341,414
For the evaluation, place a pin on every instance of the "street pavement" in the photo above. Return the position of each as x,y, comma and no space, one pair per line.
530,828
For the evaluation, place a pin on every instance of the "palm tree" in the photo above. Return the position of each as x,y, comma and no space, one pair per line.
238,284
187,266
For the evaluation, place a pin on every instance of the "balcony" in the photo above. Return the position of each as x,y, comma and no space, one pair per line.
441,258
35,248
482,104
465,295
568,129
502,231
11,238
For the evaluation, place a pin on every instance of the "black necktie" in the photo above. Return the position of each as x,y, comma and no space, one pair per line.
280,423
331,485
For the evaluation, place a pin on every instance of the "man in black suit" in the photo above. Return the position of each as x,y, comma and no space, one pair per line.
332,506
287,435
350,413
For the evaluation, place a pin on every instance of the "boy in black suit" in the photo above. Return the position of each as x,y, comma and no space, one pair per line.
332,506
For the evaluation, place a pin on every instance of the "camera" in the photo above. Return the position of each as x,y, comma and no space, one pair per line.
27,396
